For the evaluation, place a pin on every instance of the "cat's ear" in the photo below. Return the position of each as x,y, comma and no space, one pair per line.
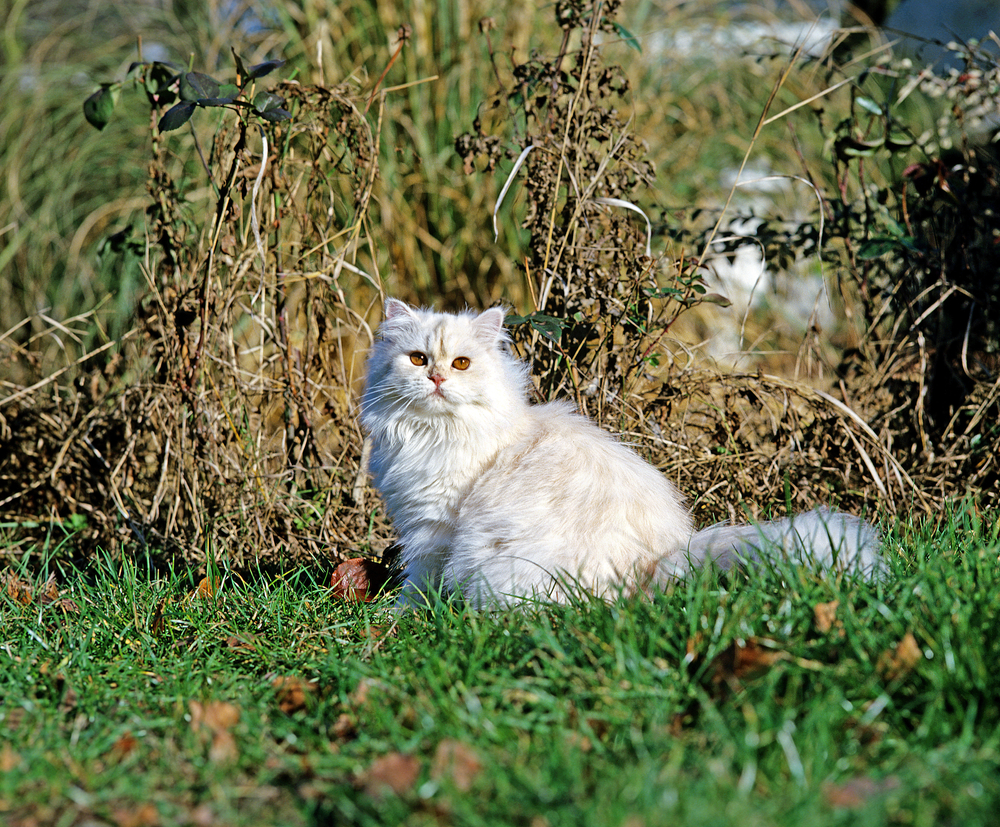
394,309
488,326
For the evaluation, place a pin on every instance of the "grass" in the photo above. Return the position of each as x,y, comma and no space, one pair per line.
727,701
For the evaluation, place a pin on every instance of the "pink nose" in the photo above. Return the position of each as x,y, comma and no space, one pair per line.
436,379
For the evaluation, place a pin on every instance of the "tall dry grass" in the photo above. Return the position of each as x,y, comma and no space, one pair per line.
197,394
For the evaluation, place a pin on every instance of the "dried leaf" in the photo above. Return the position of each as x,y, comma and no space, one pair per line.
17,590
394,773
216,719
157,625
826,616
359,579
291,693
213,715
741,661
855,793
206,588
899,662
9,760
143,815
122,748
456,761
49,591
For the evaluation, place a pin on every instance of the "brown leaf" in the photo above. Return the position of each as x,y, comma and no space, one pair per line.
206,588
216,719
9,760
826,616
241,644
394,773
122,748
17,589
899,662
216,716
741,661
291,693
457,761
855,793
142,815
359,579
157,625
49,592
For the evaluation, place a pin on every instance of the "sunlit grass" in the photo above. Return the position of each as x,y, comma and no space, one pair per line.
138,692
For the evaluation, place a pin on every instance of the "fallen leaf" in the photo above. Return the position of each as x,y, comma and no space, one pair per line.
157,625
216,718
741,661
855,793
291,693
215,715
456,761
825,615
206,589
9,760
49,592
123,747
359,579
896,663
394,773
240,644
17,590
143,815
344,727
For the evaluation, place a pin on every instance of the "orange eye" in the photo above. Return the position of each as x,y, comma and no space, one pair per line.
418,358
461,363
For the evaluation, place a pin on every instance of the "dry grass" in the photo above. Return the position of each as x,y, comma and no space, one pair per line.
223,420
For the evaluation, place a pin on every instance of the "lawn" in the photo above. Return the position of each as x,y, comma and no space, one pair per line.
136,697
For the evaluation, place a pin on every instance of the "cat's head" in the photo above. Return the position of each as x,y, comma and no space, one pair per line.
428,364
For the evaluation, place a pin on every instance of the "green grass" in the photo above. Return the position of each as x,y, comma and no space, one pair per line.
589,714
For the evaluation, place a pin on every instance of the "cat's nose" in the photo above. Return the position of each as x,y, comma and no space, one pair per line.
437,379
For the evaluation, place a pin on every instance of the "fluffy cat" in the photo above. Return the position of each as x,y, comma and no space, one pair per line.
503,500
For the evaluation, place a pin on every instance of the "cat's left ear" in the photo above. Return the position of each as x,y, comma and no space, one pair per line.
488,325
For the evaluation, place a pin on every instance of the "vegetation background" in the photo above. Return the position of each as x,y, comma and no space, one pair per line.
768,259
169,382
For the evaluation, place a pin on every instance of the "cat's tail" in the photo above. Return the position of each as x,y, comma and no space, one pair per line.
821,539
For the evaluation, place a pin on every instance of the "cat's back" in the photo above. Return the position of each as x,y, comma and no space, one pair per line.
566,497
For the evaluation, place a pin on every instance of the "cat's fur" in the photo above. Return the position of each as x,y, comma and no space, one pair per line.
500,499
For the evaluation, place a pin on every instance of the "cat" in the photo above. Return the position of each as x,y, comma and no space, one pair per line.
502,500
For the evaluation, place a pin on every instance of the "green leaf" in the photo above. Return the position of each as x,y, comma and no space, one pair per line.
258,70
263,101
240,68
550,327
197,86
853,148
876,248
275,115
177,115
869,105
98,108
716,298
158,80
898,141
629,38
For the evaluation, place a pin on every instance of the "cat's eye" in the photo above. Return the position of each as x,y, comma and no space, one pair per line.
418,358
461,363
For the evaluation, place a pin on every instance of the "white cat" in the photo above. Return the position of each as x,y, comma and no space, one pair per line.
503,500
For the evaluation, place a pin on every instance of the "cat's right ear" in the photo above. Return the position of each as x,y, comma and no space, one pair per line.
489,325
395,309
